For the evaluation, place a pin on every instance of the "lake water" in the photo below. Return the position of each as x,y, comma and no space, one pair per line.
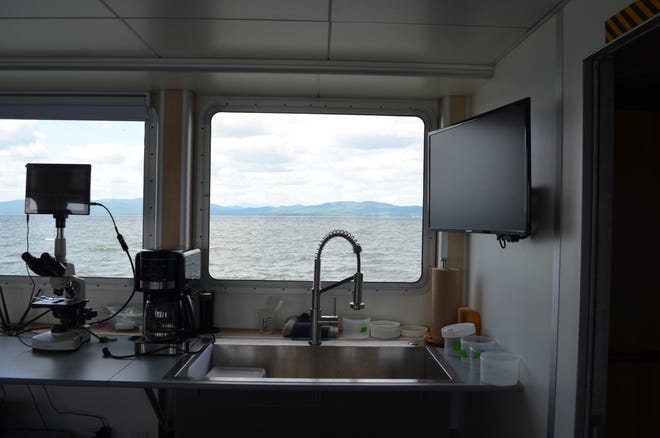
252,247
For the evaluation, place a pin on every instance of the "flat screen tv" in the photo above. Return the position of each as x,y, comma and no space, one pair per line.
57,189
479,174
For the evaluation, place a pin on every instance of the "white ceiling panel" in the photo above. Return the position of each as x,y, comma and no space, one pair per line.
94,37
421,43
234,38
53,9
327,48
501,13
308,10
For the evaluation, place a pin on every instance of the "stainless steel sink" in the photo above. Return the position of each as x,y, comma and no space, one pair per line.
284,360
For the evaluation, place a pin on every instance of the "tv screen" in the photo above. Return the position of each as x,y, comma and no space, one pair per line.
57,189
479,174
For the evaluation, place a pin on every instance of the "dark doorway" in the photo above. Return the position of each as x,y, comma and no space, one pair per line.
619,347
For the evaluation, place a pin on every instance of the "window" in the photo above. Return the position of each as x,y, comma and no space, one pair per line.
115,150
279,181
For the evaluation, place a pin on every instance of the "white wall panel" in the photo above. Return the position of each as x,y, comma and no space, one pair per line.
584,34
513,287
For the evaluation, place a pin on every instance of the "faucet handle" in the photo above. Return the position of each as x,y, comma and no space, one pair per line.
328,319
357,302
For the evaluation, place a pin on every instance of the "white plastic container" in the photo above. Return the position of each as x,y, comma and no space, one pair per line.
452,335
499,368
355,326
413,331
474,345
384,329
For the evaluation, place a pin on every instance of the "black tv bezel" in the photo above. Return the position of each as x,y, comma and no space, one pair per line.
508,235
62,169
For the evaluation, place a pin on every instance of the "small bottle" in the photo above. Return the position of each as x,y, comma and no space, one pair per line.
468,314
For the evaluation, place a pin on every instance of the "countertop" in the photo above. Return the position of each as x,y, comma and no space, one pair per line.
87,366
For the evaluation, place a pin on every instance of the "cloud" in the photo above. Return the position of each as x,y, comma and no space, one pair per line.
272,159
236,125
115,150
16,133
311,159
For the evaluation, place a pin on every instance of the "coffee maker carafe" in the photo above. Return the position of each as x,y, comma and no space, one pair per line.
168,279
168,317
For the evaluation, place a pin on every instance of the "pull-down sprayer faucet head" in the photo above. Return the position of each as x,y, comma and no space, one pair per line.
356,303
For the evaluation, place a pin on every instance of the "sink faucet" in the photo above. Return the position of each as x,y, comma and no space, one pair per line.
319,320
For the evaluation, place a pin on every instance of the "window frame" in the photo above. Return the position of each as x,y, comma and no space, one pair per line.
93,106
208,106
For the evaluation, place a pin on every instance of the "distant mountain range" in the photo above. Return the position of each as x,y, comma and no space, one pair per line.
133,207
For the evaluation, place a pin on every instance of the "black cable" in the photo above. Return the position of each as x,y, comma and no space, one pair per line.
36,406
19,330
41,315
82,414
124,247
10,329
107,353
4,313
120,238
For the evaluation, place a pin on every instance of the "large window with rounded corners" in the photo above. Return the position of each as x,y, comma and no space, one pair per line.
279,181
109,134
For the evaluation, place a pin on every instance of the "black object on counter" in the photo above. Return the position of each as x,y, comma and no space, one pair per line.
298,328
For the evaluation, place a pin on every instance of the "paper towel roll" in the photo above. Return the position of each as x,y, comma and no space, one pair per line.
445,300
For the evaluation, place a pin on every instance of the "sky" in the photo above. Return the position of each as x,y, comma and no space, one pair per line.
280,159
257,159
114,149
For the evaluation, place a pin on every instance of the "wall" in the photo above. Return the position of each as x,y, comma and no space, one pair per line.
512,287
528,293
583,35
519,289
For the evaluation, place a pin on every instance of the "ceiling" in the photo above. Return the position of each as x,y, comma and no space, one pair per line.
327,48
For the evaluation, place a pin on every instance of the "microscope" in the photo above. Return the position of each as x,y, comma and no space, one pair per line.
60,190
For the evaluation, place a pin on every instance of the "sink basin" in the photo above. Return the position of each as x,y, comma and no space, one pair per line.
284,360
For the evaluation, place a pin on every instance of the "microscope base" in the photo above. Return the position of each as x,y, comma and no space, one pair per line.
68,340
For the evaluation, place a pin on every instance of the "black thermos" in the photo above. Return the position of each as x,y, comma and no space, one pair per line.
206,299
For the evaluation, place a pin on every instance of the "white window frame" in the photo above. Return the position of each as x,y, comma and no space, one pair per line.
207,106
93,106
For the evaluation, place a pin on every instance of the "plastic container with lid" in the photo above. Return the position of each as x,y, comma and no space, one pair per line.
499,368
476,345
452,335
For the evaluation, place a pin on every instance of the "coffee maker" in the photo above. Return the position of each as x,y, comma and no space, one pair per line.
168,279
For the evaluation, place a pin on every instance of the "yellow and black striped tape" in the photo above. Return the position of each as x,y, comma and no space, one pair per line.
629,17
